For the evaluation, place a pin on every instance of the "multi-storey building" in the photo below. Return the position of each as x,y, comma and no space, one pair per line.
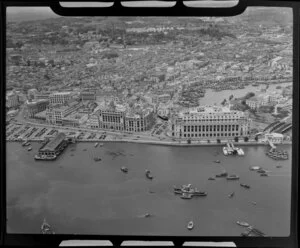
139,121
60,97
209,123
120,118
55,114
112,117
256,102
93,121
36,106
42,95
12,99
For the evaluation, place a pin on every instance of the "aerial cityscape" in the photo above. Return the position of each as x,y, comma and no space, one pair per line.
165,125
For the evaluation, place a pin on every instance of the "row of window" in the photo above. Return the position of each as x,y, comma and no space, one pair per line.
209,135
210,128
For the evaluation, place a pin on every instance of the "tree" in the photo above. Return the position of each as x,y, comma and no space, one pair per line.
230,97
256,138
246,139
208,141
189,141
218,141
236,139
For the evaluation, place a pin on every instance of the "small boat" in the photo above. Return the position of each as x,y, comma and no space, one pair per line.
190,225
199,193
124,169
29,148
24,143
246,186
211,178
176,188
279,166
148,175
101,144
233,177
97,159
261,171
264,175
84,149
231,195
255,168
186,196
147,215
46,228
217,161
96,144
242,223
254,203
225,151
224,174
240,151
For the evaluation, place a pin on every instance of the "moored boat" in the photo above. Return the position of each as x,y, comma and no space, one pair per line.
96,144
45,157
29,148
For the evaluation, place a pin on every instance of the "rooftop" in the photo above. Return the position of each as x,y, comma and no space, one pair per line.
54,143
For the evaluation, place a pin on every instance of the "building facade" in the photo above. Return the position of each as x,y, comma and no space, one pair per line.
88,95
209,123
37,106
55,115
60,97
139,122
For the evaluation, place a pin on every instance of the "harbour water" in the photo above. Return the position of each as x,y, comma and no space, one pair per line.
79,195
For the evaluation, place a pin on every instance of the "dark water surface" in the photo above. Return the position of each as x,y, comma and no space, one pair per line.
78,195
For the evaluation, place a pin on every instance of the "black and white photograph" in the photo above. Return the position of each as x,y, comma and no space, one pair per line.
139,125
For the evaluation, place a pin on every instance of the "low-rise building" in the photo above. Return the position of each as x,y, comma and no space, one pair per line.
54,146
60,97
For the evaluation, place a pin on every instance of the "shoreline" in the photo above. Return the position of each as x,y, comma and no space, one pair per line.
166,143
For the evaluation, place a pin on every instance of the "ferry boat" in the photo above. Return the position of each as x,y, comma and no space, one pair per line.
96,144
46,228
148,175
233,177
44,157
246,186
124,169
190,225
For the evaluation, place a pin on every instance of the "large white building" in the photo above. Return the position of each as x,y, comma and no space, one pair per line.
36,106
209,123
